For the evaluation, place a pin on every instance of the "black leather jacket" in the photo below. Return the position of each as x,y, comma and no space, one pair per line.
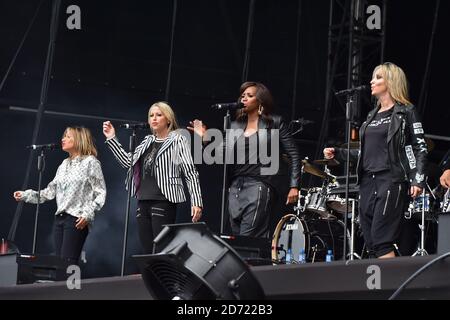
406,146
287,144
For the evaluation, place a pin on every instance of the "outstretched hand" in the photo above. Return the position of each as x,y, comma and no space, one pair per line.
197,127
17,195
108,130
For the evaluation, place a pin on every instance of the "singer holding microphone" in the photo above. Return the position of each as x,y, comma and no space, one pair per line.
79,189
391,160
252,194
158,162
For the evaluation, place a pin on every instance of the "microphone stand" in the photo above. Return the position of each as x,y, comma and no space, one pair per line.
41,168
226,125
127,214
348,116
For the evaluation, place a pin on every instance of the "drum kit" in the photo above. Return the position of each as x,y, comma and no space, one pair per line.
318,226
322,214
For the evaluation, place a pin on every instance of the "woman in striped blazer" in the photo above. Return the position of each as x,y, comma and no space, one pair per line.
157,165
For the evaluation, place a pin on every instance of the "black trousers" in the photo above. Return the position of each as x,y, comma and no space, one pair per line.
68,239
250,203
151,215
382,204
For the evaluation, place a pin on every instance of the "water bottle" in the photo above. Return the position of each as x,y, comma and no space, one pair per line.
329,256
301,256
289,256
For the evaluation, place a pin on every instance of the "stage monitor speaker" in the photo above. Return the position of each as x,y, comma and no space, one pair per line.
191,263
40,268
443,233
254,251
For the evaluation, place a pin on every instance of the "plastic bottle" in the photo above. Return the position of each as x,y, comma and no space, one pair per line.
301,256
329,256
289,256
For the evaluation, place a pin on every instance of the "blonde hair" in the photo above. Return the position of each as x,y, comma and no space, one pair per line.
396,82
167,111
83,141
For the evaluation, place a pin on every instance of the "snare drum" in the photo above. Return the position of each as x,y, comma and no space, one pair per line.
314,236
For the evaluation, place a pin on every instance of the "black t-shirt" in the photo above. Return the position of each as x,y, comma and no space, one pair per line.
246,158
149,189
375,151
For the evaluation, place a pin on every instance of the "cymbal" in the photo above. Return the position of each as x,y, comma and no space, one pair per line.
353,145
327,162
311,169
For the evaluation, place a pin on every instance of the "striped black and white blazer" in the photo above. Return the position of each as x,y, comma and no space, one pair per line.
173,158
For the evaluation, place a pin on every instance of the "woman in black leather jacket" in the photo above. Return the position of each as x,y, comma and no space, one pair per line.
391,160
251,195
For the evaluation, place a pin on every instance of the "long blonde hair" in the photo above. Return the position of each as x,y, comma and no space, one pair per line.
83,140
167,111
396,82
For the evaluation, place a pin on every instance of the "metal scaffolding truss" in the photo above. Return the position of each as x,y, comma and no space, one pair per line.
356,41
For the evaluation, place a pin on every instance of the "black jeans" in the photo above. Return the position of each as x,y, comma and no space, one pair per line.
68,239
250,203
151,215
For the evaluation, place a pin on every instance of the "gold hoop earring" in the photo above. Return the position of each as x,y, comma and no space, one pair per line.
260,109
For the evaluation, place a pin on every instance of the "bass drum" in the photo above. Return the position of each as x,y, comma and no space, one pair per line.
315,236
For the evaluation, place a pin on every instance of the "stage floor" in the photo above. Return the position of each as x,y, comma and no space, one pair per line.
357,279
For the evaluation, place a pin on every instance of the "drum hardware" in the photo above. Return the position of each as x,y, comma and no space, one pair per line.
409,212
421,250
352,232
301,202
314,250
301,207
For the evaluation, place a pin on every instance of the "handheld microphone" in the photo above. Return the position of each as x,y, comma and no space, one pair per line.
228,106
48,146
135,126
351,90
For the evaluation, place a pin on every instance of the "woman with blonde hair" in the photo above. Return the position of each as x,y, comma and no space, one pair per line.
157,163
391,160
79,189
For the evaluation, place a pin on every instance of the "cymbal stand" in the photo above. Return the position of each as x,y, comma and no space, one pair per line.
421,250
301,207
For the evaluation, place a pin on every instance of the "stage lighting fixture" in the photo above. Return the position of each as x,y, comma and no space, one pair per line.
191,263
